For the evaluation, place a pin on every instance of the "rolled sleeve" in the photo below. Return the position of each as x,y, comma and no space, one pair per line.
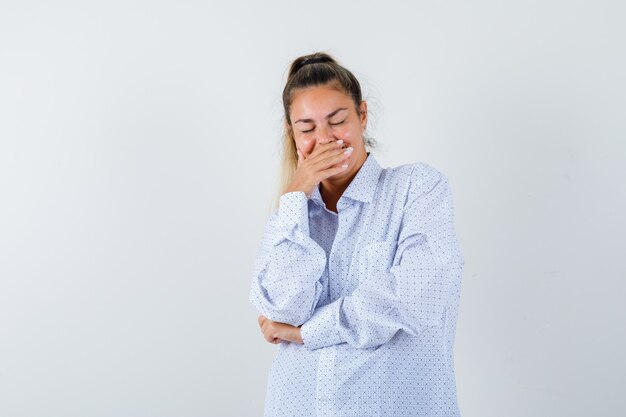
289,263
293,211
321,330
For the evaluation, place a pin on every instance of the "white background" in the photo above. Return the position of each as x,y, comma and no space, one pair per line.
139,152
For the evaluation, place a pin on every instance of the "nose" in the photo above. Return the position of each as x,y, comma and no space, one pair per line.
324,136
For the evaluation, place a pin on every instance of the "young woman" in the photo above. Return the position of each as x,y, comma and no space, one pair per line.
359,272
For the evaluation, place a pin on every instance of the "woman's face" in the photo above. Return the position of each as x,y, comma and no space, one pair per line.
322,114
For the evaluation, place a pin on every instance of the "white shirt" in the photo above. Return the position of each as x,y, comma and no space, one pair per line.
375,289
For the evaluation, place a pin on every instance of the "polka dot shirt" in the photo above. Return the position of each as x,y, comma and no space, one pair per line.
375,288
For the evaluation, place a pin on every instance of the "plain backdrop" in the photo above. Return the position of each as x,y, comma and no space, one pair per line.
139,155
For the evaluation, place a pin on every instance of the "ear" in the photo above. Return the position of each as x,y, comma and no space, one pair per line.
363,113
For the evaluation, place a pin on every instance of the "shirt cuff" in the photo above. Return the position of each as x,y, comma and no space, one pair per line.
293,210
320,330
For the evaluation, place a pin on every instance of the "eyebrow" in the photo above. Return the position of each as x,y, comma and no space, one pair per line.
327,117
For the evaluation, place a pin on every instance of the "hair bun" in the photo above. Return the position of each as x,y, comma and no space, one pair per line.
316,58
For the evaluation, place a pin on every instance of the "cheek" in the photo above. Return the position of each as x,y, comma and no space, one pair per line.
346,133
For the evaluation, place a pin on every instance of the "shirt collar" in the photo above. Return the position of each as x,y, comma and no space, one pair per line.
363,185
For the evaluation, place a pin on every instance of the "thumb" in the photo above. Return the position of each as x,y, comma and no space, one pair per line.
300,157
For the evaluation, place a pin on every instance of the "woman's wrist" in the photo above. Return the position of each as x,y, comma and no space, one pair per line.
305,190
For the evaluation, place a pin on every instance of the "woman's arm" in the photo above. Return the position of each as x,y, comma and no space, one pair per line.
408,288
285,284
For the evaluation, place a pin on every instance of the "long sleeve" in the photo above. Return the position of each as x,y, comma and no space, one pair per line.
407,284
285,284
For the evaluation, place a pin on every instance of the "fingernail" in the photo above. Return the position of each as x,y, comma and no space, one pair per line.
348,151
340,142
344,166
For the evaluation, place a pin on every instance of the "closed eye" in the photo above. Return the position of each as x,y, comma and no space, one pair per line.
332,124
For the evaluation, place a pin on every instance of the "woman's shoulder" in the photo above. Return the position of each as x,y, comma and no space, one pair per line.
419,176
419,168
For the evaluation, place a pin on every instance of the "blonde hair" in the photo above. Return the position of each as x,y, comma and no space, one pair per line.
310,70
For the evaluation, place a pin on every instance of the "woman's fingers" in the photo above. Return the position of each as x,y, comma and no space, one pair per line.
323,148
334,170
334,158
331,165
269,329
328,157
274,332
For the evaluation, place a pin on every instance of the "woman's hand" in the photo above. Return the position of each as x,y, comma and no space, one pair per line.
275,332
327,159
